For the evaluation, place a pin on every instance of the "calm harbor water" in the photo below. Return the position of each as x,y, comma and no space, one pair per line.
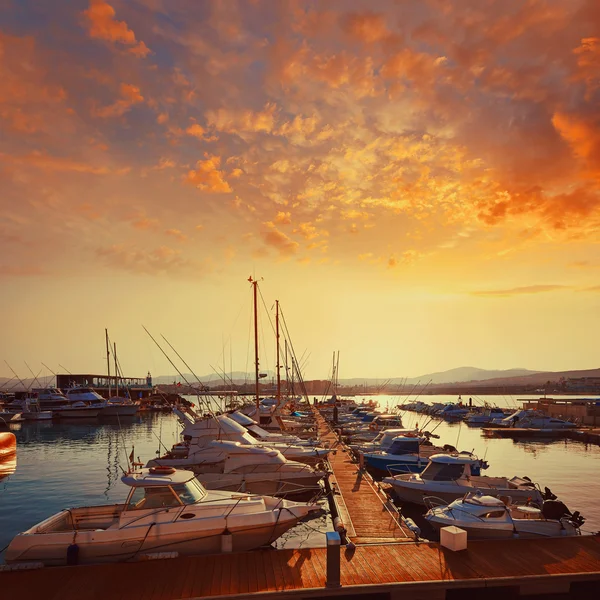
77,463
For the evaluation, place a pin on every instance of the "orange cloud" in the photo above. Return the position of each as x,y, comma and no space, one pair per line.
29,101
47,162
582,138
588,61
280,241
104,26
242,122
177,234
195,130
130,95
529,289
145,223
283,218
208,177
366,27
159,261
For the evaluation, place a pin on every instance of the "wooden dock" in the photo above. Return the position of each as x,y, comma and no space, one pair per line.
402,570
367,514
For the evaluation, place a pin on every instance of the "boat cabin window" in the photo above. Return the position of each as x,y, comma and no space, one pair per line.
189,492
152,498
442,472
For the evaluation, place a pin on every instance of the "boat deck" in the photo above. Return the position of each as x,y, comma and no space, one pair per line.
414,568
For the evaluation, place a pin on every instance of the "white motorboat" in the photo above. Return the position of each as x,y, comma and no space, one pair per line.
256,470
449,477
264,436
487,517
200,432
49,394
29,408
453,412
75,410
226,465
115,406
166,510
409,454
383,440
485,417
533,419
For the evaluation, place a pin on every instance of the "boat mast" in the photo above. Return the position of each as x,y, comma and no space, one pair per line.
256,374
107,360
116,371
278,365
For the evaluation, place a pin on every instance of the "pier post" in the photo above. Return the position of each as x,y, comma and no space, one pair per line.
333,559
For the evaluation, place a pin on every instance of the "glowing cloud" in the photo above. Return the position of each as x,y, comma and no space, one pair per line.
208,177
104,26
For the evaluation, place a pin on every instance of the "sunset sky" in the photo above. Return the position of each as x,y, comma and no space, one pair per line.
418,183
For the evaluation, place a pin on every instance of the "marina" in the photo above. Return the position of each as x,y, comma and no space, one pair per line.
381,551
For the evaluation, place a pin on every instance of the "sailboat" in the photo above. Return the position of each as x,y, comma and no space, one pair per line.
116,405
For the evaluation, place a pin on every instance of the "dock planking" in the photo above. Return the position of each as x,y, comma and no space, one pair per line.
371,517
484,563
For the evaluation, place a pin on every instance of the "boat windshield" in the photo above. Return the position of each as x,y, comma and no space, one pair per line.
435,471
189,492
165,496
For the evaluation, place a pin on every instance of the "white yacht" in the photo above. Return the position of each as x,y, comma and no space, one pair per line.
487,517
53,400
264,436
485,417
200,432
115,406
533,419
450,476
255,469
166,510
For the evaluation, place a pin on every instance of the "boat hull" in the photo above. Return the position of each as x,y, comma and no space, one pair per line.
76,413
119,410
105,547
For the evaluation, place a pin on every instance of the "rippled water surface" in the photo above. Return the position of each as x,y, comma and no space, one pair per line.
76,463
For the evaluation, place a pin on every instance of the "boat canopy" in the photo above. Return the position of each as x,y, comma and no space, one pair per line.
404,445
154,477
480,500
241,418
232,447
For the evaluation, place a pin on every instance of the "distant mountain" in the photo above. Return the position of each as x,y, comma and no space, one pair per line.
458,375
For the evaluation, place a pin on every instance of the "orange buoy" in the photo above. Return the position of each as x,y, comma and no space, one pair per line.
162,470
8,444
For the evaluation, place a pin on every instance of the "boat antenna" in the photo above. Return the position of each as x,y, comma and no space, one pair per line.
278,366
65,368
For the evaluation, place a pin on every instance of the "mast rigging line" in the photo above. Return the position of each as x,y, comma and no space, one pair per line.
178,371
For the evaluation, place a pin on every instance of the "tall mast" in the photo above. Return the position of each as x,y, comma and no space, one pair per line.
255,286
278,365
116,371
107,360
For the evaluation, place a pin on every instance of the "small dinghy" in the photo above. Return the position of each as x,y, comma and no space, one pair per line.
166,511
486,517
